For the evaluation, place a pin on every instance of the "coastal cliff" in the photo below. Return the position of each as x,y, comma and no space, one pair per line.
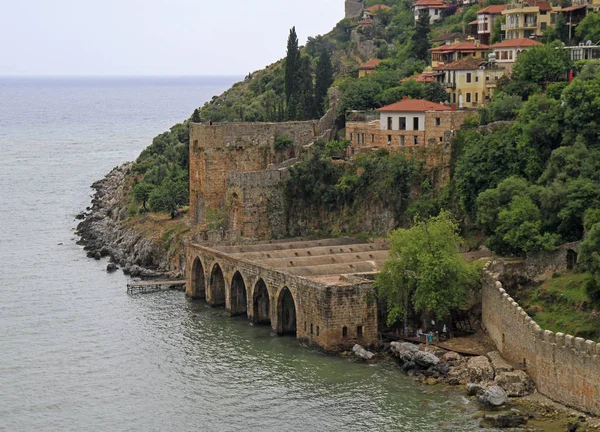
106,231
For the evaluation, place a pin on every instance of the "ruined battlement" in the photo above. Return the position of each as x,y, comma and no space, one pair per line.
563,367
354,8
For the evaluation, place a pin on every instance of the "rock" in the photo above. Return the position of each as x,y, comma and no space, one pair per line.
97,256
479,369
515,383
493,397
362,353
431,381
458,375
478,415
409,366
442,368
474,389
503,420
111,267
80,216
498,363
404,351
452,358
425,359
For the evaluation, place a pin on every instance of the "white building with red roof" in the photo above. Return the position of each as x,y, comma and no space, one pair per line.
434,7
508,51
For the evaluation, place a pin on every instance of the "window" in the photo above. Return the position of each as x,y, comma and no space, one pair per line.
318,330
543,26
402,123
389,139
359,331
304,325
401,140
476,78
311,329
195,143
468,97
344,332
372,138
438,121
415,123
416,140
435,11
362,138
468,77
476,97
350,136
441,139
453,97
389,123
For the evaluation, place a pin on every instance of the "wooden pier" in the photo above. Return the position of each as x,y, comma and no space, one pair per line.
152,286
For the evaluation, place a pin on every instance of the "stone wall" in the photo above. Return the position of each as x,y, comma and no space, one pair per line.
354,8
563,367
322,311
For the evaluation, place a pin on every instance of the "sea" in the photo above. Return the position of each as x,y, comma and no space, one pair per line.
77,353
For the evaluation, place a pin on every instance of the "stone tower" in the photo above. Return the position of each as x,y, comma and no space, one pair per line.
354,8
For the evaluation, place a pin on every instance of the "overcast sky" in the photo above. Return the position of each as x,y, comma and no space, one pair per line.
154,37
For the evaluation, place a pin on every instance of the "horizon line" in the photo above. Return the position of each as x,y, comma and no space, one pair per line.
123,76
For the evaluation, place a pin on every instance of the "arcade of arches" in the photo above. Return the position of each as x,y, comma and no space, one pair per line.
311,289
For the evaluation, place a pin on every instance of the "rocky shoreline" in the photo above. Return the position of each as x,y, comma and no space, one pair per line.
505,397
103,232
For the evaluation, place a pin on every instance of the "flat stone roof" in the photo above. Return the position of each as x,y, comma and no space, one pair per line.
337,261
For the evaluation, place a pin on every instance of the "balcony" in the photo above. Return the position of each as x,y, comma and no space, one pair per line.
450,85
518,26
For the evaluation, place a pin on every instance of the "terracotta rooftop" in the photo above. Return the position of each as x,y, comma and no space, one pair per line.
522,42
370,65
365,21
572,8
462,46
468,63
493,9
474,22
430,4
425,77
414,105
377,7
541,4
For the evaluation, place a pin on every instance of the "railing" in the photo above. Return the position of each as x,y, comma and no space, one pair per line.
450,85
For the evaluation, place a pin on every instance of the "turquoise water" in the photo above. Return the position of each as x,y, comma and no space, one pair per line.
77,353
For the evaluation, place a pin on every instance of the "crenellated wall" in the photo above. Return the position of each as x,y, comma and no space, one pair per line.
563,367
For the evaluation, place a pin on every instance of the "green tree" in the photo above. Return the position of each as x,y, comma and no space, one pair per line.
504,106
540,64
435,92
497,31
142,191
292,67
420,38
306,92
169,196
196,116
425,269
589,28
323,80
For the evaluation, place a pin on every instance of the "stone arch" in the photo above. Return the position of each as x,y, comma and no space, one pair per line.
198,280
261,304
238,298
217,287
286,313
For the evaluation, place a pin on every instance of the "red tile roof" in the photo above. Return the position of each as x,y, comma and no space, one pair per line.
425,77
572,8
513,43
439,4
474,22
414,105
468,63
366,21
493,9
377,7
371,64
462,46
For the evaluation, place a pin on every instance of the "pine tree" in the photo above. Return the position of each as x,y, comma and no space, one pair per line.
420,38
196,116
306,90
324,79
292,66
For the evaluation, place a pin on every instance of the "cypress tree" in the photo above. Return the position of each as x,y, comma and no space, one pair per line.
292,66
324,79
196,116
306,90
420,38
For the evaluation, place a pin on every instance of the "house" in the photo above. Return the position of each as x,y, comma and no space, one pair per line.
507,51
584,51
528,18
372,11
470,82
486,18
446,54
424,77
368,68
434,7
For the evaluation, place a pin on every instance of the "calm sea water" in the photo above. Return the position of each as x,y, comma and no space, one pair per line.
77,353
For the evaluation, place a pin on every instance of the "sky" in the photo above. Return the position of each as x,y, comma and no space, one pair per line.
154,37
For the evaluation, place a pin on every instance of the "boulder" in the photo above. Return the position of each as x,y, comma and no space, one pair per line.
442,368
515,383
498,363
111,267
493,397
452,358
425,359
479,369
404,351
362,353
474,389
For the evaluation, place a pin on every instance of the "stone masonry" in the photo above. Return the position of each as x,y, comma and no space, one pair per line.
313,289
563,367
